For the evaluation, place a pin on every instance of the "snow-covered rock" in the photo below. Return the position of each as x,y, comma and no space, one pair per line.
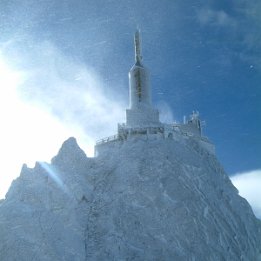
155,199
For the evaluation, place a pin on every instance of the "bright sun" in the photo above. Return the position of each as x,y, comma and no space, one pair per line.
28,133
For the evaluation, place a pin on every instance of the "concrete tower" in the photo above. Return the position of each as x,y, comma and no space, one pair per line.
141,112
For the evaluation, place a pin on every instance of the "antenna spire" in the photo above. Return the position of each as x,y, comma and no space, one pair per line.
137,42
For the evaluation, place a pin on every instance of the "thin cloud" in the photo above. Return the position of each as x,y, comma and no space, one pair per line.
216,18
244,31
249,186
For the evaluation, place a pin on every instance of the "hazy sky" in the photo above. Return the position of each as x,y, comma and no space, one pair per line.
64,65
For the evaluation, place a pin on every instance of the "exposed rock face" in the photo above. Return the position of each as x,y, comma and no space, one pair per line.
143,200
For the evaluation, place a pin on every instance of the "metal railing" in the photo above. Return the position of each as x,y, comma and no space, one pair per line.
107,139
125,132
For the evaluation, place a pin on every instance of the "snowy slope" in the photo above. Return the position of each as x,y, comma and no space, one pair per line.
156,199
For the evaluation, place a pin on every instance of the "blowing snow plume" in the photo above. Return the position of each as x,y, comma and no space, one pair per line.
72,92
47,97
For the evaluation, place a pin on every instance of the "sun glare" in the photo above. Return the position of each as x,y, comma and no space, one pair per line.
29,132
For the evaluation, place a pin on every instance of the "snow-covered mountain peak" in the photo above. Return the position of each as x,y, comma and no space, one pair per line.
141,199
70,151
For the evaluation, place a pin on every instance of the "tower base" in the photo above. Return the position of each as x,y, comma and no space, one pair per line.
144,117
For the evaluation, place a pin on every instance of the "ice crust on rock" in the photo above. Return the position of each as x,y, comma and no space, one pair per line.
155,199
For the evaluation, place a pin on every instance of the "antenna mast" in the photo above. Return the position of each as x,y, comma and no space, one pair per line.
137,42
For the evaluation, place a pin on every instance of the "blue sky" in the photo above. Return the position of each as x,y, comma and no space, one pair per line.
72,58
